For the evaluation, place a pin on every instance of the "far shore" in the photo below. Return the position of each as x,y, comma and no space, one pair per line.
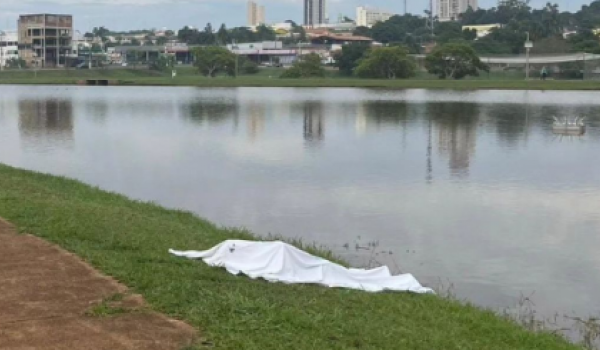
187,76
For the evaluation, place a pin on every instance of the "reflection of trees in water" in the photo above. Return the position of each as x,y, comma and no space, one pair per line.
510,121
97,110
456,125
41,120
385,112
314,125
211,112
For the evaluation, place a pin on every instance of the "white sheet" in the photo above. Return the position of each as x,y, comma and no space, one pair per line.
281,262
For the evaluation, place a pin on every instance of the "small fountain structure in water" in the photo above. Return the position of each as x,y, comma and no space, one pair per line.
569,126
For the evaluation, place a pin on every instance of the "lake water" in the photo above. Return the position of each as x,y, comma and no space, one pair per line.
468,187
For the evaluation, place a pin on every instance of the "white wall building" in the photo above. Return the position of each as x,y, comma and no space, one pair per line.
450,10
367,17
9,46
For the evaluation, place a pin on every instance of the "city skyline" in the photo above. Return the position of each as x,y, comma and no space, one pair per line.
256,14
135,14
315,12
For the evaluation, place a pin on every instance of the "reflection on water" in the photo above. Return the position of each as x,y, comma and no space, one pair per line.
457,125
314,129
473,187
48,121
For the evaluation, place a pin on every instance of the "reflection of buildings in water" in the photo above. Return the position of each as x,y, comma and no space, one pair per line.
361,119
256,119
314,125
458,144
457,135
46,120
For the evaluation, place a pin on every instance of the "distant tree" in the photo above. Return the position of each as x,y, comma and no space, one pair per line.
187,35
348,58
162,40
223,35
585,41
264,33
298,32
169,33
100,32
16,63
96,47
242,35
307,66
347,19
454,61
469,34
395,29
448,31
550,45
164,63
207,36
487,46
213,60
362,31
135,42
387,63
248,66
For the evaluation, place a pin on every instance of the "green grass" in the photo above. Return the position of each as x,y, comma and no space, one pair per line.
269,77
129,241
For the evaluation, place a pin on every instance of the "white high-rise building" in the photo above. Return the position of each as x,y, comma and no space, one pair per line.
450,10
315,12
367,17
256,14
9,48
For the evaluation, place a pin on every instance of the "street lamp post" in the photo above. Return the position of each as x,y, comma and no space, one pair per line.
528,46
237,56
2,63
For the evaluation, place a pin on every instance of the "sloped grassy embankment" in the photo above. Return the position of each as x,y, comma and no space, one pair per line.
129,240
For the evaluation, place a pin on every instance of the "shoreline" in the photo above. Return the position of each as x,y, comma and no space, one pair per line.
128,240
188,77
472,85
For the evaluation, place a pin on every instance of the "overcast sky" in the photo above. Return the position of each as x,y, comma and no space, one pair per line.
174,14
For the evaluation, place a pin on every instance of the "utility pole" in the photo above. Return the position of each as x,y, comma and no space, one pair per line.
236,48
528,46
2,51
431,18
405,10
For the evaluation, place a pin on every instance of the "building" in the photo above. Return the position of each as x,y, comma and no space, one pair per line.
9,48
482,29
367,17
450,10
256,14
45,39
315,12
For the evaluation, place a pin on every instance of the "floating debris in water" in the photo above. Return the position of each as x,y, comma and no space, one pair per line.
569,126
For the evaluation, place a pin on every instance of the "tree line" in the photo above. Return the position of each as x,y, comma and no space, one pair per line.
449,61
515,17
203,37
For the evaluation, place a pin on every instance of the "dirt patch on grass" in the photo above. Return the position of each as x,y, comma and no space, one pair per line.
51,299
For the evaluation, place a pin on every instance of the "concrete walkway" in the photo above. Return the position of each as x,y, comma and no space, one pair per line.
49,299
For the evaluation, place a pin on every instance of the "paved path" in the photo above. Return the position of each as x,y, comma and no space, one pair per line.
46,296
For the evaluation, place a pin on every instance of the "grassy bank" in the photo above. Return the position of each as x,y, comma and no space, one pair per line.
129,240
270,78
